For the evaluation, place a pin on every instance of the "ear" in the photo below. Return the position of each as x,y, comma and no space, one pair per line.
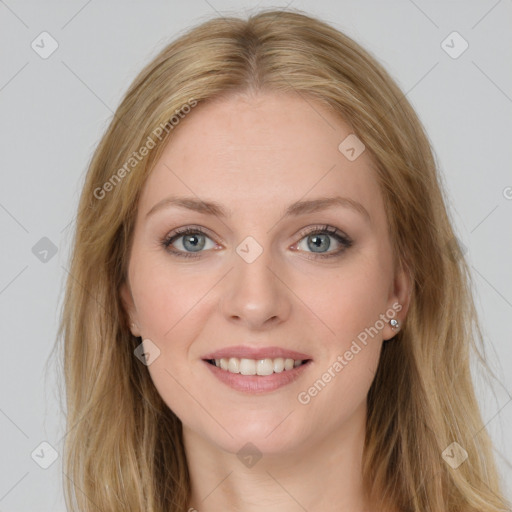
129,307
399,300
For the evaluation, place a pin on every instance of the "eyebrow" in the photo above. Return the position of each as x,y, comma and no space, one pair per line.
295,209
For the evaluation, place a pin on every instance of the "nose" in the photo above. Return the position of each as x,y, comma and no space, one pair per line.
255,294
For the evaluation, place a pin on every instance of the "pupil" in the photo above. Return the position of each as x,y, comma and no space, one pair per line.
193,239
319,242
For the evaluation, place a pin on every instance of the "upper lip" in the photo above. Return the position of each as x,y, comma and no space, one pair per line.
242,352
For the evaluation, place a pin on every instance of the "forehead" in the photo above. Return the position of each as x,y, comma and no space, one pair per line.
272,147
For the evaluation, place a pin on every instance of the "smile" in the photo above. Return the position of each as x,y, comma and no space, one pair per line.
261,367
256,376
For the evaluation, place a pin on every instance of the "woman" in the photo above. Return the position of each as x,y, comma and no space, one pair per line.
267,307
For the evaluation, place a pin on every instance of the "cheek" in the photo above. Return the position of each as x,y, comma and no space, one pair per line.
352,310
339,389
351,300
167,298
172,307
339,383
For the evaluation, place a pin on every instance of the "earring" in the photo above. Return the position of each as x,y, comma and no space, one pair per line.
395,324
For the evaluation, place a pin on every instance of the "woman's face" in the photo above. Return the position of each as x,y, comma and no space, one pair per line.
292,261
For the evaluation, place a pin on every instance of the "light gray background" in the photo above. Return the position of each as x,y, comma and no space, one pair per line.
54,110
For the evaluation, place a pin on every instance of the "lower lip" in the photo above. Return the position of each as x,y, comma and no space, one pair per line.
257,383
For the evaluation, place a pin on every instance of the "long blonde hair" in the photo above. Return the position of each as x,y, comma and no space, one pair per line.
123,447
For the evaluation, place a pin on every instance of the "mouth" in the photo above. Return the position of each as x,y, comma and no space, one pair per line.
259,367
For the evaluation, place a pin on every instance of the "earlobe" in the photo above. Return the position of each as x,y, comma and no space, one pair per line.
135,329
399,301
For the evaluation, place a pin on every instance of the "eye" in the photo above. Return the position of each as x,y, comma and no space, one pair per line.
187,241
319,240
191,241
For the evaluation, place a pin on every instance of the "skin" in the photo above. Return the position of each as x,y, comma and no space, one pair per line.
256,154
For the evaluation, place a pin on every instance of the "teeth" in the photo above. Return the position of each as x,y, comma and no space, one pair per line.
256,366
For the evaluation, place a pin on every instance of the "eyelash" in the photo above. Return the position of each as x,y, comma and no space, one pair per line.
339,236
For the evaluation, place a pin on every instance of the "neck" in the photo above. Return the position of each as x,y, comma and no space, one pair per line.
320,475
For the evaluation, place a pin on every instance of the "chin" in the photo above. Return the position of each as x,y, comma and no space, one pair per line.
268,437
